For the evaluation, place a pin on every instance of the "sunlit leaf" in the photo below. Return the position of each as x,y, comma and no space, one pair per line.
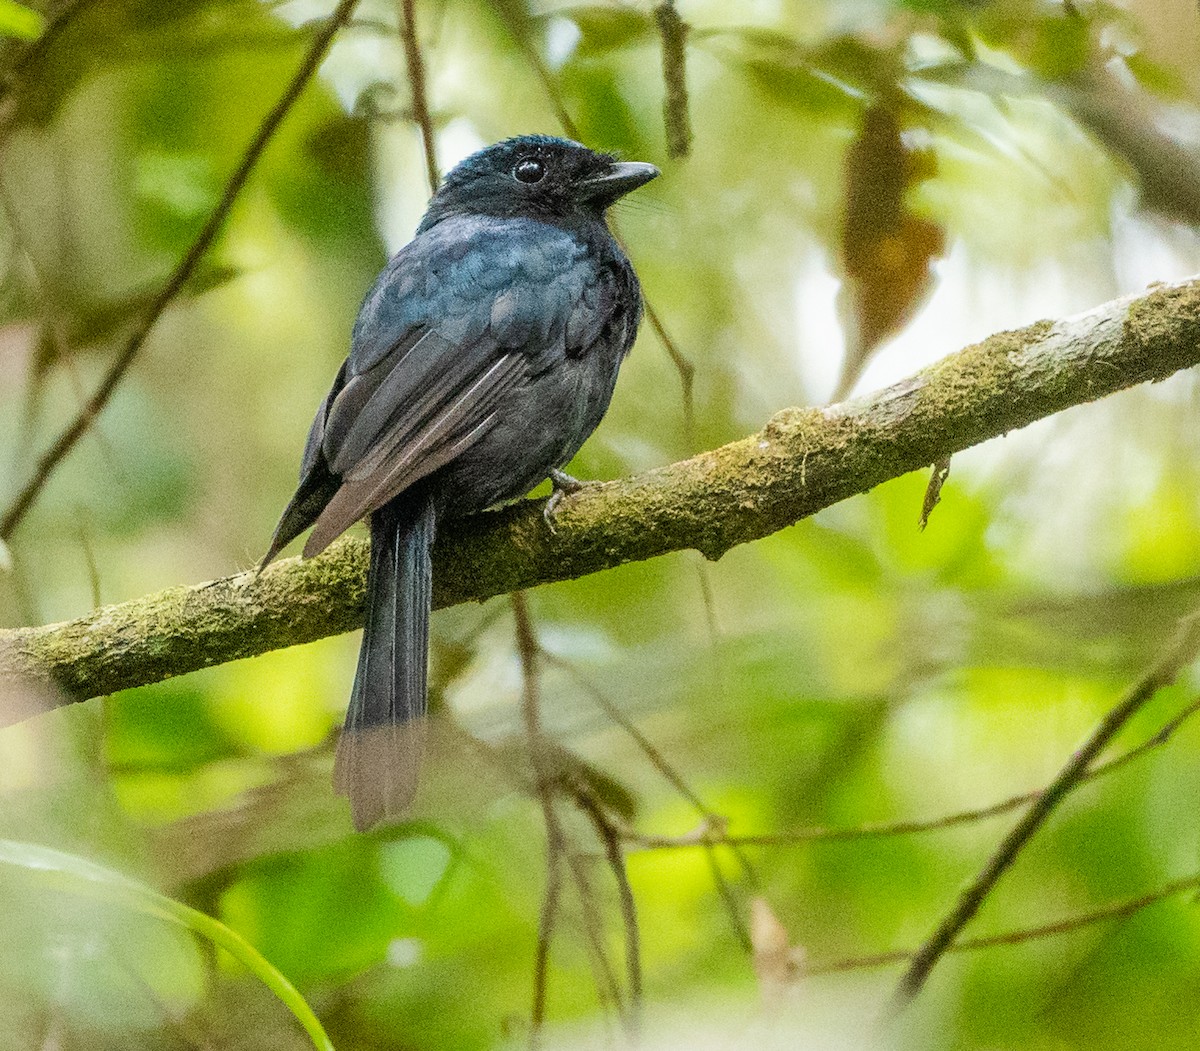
19,21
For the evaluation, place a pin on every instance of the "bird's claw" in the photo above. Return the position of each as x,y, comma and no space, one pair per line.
563,484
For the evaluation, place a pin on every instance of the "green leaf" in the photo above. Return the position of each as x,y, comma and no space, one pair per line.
1158,77
86,877
1062,47
19,21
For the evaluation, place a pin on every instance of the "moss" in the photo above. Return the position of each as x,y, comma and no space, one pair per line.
801,461
1163,315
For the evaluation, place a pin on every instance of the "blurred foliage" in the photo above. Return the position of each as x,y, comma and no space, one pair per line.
19,21
963,167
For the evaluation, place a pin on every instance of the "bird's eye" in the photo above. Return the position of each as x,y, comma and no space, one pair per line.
529,170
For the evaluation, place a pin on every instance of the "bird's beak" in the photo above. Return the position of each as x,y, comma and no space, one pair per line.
617,181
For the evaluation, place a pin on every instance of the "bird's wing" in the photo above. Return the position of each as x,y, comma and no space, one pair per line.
458,319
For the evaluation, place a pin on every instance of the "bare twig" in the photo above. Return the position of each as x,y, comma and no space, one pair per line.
546,923
1179,654
676,121
732,910
506,14
416,82
548,782
1116,911
610,836
716,835
711,819
66,441
608,988
527,651
39,47
89,556
685,368
657,759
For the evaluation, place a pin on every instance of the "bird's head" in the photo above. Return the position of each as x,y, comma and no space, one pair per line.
537,176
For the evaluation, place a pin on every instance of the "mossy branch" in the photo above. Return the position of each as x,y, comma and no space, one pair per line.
802,461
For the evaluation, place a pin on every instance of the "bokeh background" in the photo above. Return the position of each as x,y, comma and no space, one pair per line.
869,186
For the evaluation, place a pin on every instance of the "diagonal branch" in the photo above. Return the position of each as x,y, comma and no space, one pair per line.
95,405
1181,652
802,461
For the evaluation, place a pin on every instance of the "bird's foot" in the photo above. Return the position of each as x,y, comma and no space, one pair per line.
564,485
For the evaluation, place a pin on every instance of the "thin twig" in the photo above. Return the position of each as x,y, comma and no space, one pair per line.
708,597
506,14
546,922
725,891
527,651
546,780
714,836
676,122
608,988
675,779
89,556
657,759
1180,653
183,271
683,365
611,838
1116,911
685,368
712,821
416,82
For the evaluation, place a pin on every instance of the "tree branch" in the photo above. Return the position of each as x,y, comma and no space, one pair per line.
802,461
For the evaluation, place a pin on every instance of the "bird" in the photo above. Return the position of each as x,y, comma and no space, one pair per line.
482,357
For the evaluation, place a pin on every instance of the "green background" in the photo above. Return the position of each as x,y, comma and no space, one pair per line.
850,670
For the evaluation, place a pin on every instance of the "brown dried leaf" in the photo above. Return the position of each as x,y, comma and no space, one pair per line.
933,491
887,252
776,963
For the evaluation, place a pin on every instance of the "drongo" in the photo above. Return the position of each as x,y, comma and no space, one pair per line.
482,358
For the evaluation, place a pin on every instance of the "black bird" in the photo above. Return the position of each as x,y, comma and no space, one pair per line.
482,358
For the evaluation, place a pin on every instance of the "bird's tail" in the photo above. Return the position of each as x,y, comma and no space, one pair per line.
379,751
